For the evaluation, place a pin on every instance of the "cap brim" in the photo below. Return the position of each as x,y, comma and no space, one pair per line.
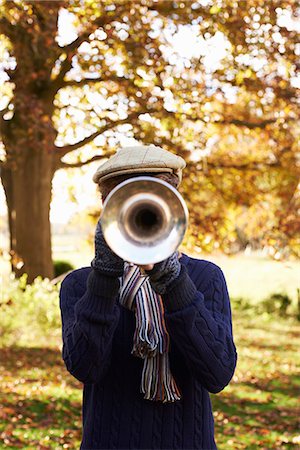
99,179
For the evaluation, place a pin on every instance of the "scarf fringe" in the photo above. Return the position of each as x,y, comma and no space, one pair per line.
151,339
157,381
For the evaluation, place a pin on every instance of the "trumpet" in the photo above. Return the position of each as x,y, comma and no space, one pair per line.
144,220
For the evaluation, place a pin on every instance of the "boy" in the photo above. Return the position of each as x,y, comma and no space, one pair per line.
147,349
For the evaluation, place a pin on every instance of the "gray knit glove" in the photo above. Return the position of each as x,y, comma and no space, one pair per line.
164,273
106,261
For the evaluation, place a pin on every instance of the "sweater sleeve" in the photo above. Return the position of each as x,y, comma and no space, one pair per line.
199,322
88,325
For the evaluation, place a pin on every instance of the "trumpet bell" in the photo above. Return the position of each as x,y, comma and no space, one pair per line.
144,220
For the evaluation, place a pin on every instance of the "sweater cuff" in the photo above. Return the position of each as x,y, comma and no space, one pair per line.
181,292
102,292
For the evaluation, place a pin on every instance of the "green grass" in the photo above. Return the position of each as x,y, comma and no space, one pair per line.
251,276
255,276
41,403
260,407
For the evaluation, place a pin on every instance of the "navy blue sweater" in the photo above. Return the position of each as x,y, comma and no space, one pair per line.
97,344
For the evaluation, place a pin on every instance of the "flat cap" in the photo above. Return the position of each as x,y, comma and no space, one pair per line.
140,159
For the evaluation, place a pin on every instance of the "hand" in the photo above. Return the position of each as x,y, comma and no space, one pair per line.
146,268
149,267
163,273
106,261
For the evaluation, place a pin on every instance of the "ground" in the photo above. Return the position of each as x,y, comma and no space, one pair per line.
41,403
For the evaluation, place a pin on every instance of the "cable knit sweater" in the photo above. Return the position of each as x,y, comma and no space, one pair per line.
97,343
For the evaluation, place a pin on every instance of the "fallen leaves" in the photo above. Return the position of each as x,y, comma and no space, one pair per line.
260,408
41,403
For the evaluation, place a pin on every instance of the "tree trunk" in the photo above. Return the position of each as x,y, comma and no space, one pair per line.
28,195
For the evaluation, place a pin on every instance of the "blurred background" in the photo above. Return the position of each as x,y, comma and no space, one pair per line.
216,82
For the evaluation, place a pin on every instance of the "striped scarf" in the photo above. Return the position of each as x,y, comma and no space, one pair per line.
151,339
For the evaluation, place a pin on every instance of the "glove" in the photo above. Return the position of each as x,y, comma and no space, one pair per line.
106,261
164,273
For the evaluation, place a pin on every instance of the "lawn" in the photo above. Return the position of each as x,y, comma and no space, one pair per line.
40,402
255,276
252,276
260,409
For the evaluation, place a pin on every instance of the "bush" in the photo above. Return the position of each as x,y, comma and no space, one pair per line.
29,313
277,303
241,304
61,267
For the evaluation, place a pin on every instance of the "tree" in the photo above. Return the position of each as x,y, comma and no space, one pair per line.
120,70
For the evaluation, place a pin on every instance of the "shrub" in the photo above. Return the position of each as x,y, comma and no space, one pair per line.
29,313
61,267
241,304
277,303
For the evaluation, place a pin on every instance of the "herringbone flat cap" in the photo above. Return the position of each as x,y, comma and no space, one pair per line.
140,159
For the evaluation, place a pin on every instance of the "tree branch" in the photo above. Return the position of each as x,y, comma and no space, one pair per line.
84,81
166,9
237,122
257,165
38,12
244,166
251,124
71,49
3,112
6,27
248,124
62,165
62,151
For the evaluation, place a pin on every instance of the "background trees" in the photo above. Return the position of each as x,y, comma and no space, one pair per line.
233,118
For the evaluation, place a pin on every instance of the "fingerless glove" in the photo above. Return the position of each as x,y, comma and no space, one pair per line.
106,261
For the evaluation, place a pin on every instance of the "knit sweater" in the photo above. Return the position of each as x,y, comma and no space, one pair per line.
97,343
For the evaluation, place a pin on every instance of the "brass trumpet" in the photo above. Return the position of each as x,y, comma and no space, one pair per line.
144,220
